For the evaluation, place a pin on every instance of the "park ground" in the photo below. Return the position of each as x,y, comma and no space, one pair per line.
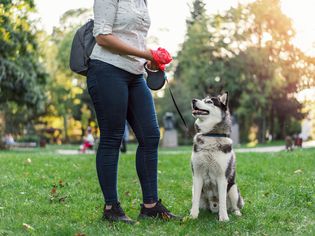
46,193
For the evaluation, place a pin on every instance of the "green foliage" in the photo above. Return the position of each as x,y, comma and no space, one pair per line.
190,83
67,90
247,51
198,11
22,76
29,138
268,64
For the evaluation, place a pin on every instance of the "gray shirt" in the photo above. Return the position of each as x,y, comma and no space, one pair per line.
128,20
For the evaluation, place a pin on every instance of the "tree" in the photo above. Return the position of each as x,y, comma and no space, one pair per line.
67,90
22,76
192,66
197,12
268,63
247,51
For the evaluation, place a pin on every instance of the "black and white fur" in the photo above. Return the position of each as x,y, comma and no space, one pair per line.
213,160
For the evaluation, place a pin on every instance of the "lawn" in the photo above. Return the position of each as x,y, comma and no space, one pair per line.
278,189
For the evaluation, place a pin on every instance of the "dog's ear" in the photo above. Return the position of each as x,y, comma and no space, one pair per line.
224,98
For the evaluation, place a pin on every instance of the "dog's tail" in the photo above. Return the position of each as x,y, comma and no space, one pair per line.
240,202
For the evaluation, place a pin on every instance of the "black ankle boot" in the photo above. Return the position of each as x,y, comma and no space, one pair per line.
116,214
158,211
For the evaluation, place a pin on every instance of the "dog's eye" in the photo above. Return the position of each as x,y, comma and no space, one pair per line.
208,101
216,102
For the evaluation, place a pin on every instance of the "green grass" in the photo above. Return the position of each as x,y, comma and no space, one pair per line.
278,190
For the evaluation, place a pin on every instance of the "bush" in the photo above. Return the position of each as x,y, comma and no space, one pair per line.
29,139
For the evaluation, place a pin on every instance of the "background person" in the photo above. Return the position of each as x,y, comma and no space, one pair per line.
88,141
8,140
125,139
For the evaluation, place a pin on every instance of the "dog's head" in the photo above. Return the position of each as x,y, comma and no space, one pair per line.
211,113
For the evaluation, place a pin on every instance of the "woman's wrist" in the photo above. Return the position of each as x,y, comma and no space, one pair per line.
147,55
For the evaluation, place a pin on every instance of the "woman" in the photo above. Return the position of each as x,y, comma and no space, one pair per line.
119,92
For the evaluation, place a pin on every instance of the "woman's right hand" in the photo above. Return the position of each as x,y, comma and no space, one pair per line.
161,57
152,65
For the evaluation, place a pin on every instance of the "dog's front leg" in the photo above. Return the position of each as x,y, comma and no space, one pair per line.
222,187
197,188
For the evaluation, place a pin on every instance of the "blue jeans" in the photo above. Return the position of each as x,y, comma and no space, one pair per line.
118,95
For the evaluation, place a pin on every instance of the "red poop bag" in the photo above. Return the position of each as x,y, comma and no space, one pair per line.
162,57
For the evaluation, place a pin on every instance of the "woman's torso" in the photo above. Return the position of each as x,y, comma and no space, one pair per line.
131,25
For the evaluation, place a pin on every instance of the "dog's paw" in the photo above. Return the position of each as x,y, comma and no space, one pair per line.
194,214
237,213
223,217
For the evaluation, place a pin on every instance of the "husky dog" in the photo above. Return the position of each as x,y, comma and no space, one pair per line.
213,160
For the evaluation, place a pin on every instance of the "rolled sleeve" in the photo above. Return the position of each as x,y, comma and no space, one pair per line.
104,16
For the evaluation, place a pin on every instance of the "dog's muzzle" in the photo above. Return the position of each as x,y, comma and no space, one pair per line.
196,110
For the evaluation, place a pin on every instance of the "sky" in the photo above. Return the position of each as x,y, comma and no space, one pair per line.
168,18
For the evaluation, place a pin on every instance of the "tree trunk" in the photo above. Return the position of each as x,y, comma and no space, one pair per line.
263,129
272,123
2,123
2,129
65,127
261,126
282,122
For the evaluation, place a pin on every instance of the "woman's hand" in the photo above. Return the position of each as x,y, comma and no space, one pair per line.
115,45
161,57
152,65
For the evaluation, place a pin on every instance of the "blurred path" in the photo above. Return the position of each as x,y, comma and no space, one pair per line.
74,152
309,144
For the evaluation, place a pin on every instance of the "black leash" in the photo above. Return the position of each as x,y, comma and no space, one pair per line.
155,81
177,108
216,135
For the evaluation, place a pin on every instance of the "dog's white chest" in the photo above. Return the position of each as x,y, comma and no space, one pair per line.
211,164
211,155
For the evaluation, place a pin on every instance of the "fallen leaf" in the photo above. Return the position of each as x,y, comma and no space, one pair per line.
80,234
53,190
75,166
135,202
127,194
266,194
298,171
28,227
185,219
62,199
61,183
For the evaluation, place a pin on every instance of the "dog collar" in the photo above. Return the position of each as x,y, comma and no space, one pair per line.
216,135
